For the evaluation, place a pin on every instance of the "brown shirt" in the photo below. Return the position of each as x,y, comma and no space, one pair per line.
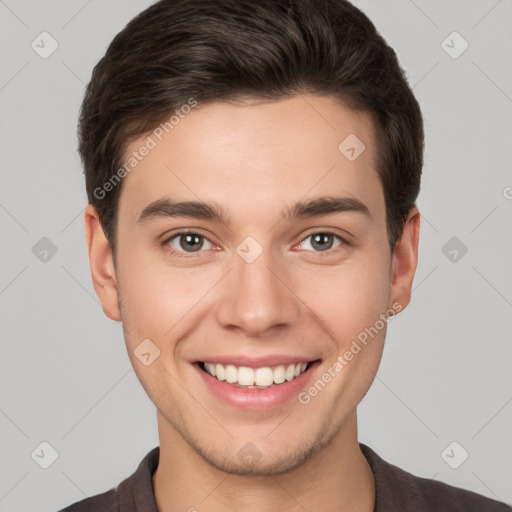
396,491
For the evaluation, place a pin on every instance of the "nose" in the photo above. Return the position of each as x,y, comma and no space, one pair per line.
256,298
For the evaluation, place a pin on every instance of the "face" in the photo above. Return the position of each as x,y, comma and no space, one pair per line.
252,246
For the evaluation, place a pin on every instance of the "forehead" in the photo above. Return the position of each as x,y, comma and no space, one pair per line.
256,155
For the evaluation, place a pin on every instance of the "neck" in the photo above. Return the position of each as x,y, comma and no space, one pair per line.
337,476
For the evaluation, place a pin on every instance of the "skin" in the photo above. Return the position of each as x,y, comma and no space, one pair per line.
254,159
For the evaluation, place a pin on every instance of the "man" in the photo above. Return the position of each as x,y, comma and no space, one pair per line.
252,170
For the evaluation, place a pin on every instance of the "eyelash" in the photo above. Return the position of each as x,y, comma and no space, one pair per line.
183,254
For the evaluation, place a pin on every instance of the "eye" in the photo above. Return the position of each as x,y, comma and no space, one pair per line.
321,242
188,242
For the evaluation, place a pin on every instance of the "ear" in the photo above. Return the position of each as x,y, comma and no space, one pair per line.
405,259
102,265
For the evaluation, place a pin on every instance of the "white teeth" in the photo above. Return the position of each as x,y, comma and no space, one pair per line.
231,373
220,372
264,377
245,376
259,377
279,374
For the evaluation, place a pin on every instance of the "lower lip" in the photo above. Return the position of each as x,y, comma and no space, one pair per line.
257,399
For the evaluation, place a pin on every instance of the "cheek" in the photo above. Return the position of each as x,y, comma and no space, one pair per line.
156,297
158,304
348,298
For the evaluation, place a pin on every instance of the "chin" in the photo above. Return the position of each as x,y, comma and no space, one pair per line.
259,464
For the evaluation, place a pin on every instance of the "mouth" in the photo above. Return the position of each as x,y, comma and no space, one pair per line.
264,377
256,387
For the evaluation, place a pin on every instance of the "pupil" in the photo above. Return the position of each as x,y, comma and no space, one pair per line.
322,241
191,243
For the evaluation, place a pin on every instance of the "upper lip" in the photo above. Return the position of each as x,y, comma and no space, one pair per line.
256,362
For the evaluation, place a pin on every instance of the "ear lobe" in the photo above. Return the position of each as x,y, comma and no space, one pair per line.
103,272
405,260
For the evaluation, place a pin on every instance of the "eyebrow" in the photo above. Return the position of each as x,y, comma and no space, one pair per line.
324,206
212,211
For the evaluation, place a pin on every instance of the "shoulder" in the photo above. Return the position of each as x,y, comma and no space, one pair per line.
441,496
133,494
104,502
397,489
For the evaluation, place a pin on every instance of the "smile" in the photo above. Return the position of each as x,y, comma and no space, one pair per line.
254,378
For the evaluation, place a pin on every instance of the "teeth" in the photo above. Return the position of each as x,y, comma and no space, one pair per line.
220,372
279,377
264,376
259,377
245,376
231,373
211,368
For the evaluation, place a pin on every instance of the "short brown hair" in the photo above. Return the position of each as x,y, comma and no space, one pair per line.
229,50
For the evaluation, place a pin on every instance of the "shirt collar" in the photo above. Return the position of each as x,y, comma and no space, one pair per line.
395,489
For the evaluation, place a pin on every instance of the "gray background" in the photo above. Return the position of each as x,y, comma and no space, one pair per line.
65,377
